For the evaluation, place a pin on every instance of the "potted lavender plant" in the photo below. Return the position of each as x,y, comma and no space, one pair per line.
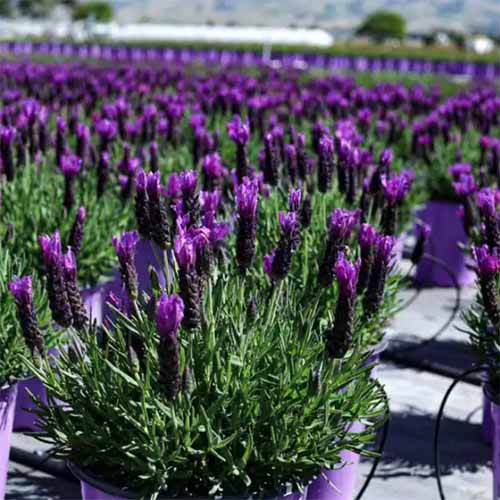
17,299
224,389
483,320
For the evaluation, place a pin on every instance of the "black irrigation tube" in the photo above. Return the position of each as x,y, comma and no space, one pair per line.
40,460
450,319
381,448
431,367
437,466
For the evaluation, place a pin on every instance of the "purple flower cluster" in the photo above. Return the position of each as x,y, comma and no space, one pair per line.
62,289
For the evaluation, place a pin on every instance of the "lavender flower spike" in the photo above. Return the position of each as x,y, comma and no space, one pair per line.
239,132
56,287
22,290
70,166
189,281
294,200
339,338
159,226
190,199
169,316
246,200
125,250
367,238
395,190
278,264
80,318
376,287
7,136
342,223
487,200
77,231
423,236
487,265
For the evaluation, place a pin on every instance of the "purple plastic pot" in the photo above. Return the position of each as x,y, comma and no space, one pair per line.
148,254
24,420
7,407
488,424
495,412
447,233
93,299
93,489
343,479
376,353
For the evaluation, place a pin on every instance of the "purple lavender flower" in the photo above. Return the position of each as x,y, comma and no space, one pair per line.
56,288
487,266
213,171
173,186
487,263
106,129
487,201
189,281
305,213
125,250
374,295
342,223
367,238
339,338
158,226
79,313
424,233
302,159
70,166
465,186
142,215
82,140
22,290
190,200
386,158
239,131
169,316
395,190
153,157
294,200
291,162
246,200
77,231
210,201
325,163
270,160
7,136
459,169
278,264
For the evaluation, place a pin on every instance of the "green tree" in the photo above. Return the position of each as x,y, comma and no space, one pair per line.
100,11
383,25
36,8
5,8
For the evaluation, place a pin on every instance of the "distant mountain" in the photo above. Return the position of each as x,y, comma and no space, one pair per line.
422,15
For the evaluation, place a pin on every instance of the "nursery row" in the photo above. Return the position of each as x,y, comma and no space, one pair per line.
199,264
359,59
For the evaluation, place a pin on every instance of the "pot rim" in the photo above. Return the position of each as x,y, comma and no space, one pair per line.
103,486
109,489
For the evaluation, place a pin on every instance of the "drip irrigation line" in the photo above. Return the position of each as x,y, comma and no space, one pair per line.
429,366
449,320
381,448
437,465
